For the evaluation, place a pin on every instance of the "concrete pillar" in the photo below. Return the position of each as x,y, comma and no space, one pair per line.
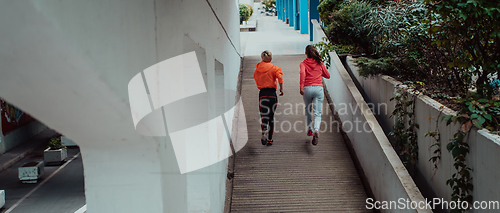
285,10
278,9
285,7
288,11
313,14
295,15
69,64
291,13
304,16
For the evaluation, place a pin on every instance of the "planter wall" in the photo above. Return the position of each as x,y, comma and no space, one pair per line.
54,156
484,153
387,177
19,135
30,172
2,198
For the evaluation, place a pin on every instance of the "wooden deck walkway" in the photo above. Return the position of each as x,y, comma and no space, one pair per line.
292,175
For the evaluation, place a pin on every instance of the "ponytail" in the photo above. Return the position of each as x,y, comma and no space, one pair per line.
311,52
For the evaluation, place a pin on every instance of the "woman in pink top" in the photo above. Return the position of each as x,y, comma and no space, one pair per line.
311,89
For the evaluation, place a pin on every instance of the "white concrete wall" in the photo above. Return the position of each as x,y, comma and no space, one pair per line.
484,147
386,174
68,63
318,33
249,2
20,135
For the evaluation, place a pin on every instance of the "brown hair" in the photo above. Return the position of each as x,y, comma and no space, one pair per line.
266,56
311,52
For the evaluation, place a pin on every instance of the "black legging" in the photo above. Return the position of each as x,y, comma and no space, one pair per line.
267,107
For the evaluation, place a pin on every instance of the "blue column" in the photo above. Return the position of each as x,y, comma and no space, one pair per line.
278,8
291,13
285,8
304,16
313,14
296,15
282,9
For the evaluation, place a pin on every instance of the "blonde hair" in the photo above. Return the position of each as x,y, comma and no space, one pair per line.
266,56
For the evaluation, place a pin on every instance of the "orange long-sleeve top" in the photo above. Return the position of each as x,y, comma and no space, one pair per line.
265,75
311,73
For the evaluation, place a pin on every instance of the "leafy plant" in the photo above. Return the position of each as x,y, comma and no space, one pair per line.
346,25
404,130
324,48
389,25
472,28
453,46
244,12
368,67
481,113
250,9
326,7
379,2
55,144
269,5
436,145
460,181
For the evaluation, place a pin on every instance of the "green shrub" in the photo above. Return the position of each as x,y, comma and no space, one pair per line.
380,2
250,8
269,5
422,57
451,44
55,144
244,12
326,7
390,26
347,27
324,47
368,67
472,28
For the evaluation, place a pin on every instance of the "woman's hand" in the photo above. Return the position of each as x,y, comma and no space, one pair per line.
281,91
301,91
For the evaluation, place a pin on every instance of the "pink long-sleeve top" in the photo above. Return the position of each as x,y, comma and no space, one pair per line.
311,73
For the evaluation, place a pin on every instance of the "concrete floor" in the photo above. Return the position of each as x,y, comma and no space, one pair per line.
274,35
293,175
62,192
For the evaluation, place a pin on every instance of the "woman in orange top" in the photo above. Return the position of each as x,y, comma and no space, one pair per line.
311,89
265,76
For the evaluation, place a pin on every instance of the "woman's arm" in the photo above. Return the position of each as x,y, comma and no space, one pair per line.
279,75
302,77
325,74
